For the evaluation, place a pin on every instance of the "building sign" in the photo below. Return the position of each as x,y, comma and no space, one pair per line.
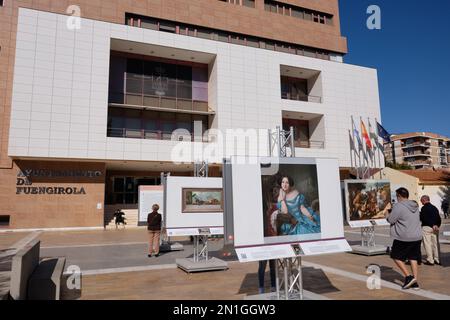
24,183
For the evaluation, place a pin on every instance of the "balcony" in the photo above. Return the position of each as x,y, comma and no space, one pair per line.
143,134
311,144
300,84
420,163
300,97
417,154
309,129
416,144
151,102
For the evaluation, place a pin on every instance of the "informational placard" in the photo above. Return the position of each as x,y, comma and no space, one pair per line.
147,197
280,202
193,203
367,202
173,232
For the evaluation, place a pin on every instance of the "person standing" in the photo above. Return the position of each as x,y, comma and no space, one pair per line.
431,222
444,207
261,273
406,231
154,230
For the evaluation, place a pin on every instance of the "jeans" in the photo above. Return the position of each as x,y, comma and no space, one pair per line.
262,271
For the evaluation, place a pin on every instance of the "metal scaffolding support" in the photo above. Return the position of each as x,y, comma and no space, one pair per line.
289,279
281,143
201,169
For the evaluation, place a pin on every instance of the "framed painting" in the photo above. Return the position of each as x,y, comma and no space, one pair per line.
201,200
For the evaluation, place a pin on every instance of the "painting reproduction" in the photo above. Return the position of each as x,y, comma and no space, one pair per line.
367,199
200,200
291,201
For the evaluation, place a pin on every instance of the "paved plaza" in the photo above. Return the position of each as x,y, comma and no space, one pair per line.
115,265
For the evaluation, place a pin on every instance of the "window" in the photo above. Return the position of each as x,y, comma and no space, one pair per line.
235,38
248,3
148,24
167,27
297,12
4,220
125,189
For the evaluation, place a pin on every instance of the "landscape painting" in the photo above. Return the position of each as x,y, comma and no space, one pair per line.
199,200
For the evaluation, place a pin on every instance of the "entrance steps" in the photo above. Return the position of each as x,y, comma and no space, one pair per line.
131,216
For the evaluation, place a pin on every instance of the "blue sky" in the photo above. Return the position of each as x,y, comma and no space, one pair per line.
412,55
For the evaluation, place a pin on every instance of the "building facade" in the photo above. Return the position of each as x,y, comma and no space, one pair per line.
93,95
420,150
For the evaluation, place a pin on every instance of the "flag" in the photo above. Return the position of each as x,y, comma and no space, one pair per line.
352,141
373,135
358,138
366,135
383,133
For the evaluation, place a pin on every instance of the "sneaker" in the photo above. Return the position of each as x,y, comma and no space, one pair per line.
149,255
415,286
437,263
427,263
409,281
157,255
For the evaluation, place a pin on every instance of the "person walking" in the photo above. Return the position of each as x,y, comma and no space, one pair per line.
261,274
406,231
444,207
154,230
431,222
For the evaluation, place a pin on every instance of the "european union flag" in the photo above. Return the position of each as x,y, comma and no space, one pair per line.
383,133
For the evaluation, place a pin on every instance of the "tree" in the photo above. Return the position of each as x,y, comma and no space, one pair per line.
398,166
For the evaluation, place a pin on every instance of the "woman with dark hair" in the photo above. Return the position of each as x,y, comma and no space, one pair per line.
291,202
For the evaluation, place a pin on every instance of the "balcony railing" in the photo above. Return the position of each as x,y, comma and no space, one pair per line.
417,154
420,163
301,97
144,134
416,144
311,144
159,102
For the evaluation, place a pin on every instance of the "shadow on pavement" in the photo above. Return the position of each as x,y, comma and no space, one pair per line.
314,280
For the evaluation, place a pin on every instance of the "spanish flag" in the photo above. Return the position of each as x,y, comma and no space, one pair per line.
366,135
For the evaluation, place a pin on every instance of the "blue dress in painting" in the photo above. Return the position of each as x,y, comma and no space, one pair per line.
304,225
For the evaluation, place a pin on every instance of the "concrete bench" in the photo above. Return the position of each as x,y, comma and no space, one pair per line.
45,282
23,265
33,279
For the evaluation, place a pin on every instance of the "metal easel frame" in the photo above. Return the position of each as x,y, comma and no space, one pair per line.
289,276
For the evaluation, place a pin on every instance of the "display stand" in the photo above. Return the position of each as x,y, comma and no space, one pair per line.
166,245
200,260
289,282
368,246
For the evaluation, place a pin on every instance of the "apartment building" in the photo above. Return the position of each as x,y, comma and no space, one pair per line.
91,95
420,150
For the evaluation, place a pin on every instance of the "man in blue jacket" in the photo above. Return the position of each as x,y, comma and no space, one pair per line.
431,222
407,233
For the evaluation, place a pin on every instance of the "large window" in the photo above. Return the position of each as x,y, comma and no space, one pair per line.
153,78
294,88
158,83
146,124
125,189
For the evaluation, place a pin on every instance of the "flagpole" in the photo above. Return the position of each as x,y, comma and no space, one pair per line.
365,160
374,160
358,167
379,149
352,146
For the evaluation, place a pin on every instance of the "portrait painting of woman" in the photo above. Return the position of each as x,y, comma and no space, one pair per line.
289,201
